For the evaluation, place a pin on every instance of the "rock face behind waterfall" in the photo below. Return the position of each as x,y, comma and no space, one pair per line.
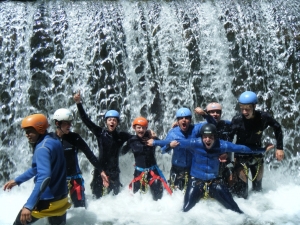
145,58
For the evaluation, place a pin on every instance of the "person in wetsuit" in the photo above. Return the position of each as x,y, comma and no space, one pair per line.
146,172
248,126
106,178
72,143
49,197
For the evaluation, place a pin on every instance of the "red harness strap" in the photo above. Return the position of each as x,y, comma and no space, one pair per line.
78,188
154,177
137,179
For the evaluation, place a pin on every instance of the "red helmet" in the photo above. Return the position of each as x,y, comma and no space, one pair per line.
140,121
38,121
213,106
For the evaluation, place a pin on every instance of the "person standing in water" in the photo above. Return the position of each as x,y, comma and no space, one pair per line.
72,143
146,170
48,168
106,176
248,126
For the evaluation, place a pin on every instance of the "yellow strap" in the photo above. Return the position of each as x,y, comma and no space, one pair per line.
57,208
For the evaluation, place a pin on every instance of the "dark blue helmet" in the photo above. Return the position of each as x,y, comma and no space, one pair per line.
208,128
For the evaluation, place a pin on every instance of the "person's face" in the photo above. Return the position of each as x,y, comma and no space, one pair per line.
31,134
247,111
140,130
184,123
208,140
216,114
111,123
65,126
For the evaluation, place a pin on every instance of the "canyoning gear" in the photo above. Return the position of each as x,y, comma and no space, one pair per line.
45,167
208,128
109,144
38,121
153,177
140,121
112,113
249,132
179,178
72,143
146,169
63,115
183,112
214,106
248,97
76,190
198,189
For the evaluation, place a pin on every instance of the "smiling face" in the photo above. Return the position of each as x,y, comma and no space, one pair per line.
247,110
208,140
140,130
31,134
111,123
184,123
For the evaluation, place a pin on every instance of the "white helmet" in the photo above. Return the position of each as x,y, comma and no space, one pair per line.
63,115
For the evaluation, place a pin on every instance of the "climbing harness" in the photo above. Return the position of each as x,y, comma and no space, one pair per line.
246,170
206,190
142,178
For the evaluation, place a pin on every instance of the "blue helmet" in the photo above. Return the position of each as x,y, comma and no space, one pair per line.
112,113
183,112
248,97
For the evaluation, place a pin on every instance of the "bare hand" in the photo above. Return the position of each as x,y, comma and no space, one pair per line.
175,124
173,144
77,97
25,216
149,142
269,147
200,111
9,185
279,154
223,157
105,179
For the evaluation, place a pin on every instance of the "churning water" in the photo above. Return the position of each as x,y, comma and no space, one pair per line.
149,58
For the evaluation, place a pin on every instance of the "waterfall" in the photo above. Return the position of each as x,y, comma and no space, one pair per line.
147,58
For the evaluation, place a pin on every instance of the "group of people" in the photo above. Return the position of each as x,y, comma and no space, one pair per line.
199,158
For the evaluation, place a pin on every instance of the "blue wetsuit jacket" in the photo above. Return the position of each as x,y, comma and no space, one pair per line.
205,164
48,169
181,157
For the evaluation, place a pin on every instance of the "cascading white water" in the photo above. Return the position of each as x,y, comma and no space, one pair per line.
149,58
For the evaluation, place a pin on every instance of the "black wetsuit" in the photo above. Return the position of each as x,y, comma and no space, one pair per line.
109,144
249,132
144,162
72,143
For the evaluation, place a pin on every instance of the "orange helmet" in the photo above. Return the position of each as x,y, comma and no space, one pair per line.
38,121
140,121
213,106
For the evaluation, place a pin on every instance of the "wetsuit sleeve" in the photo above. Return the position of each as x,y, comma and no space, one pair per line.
126,148
270,121
28,174
43,176
82,145
86,120
210,119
